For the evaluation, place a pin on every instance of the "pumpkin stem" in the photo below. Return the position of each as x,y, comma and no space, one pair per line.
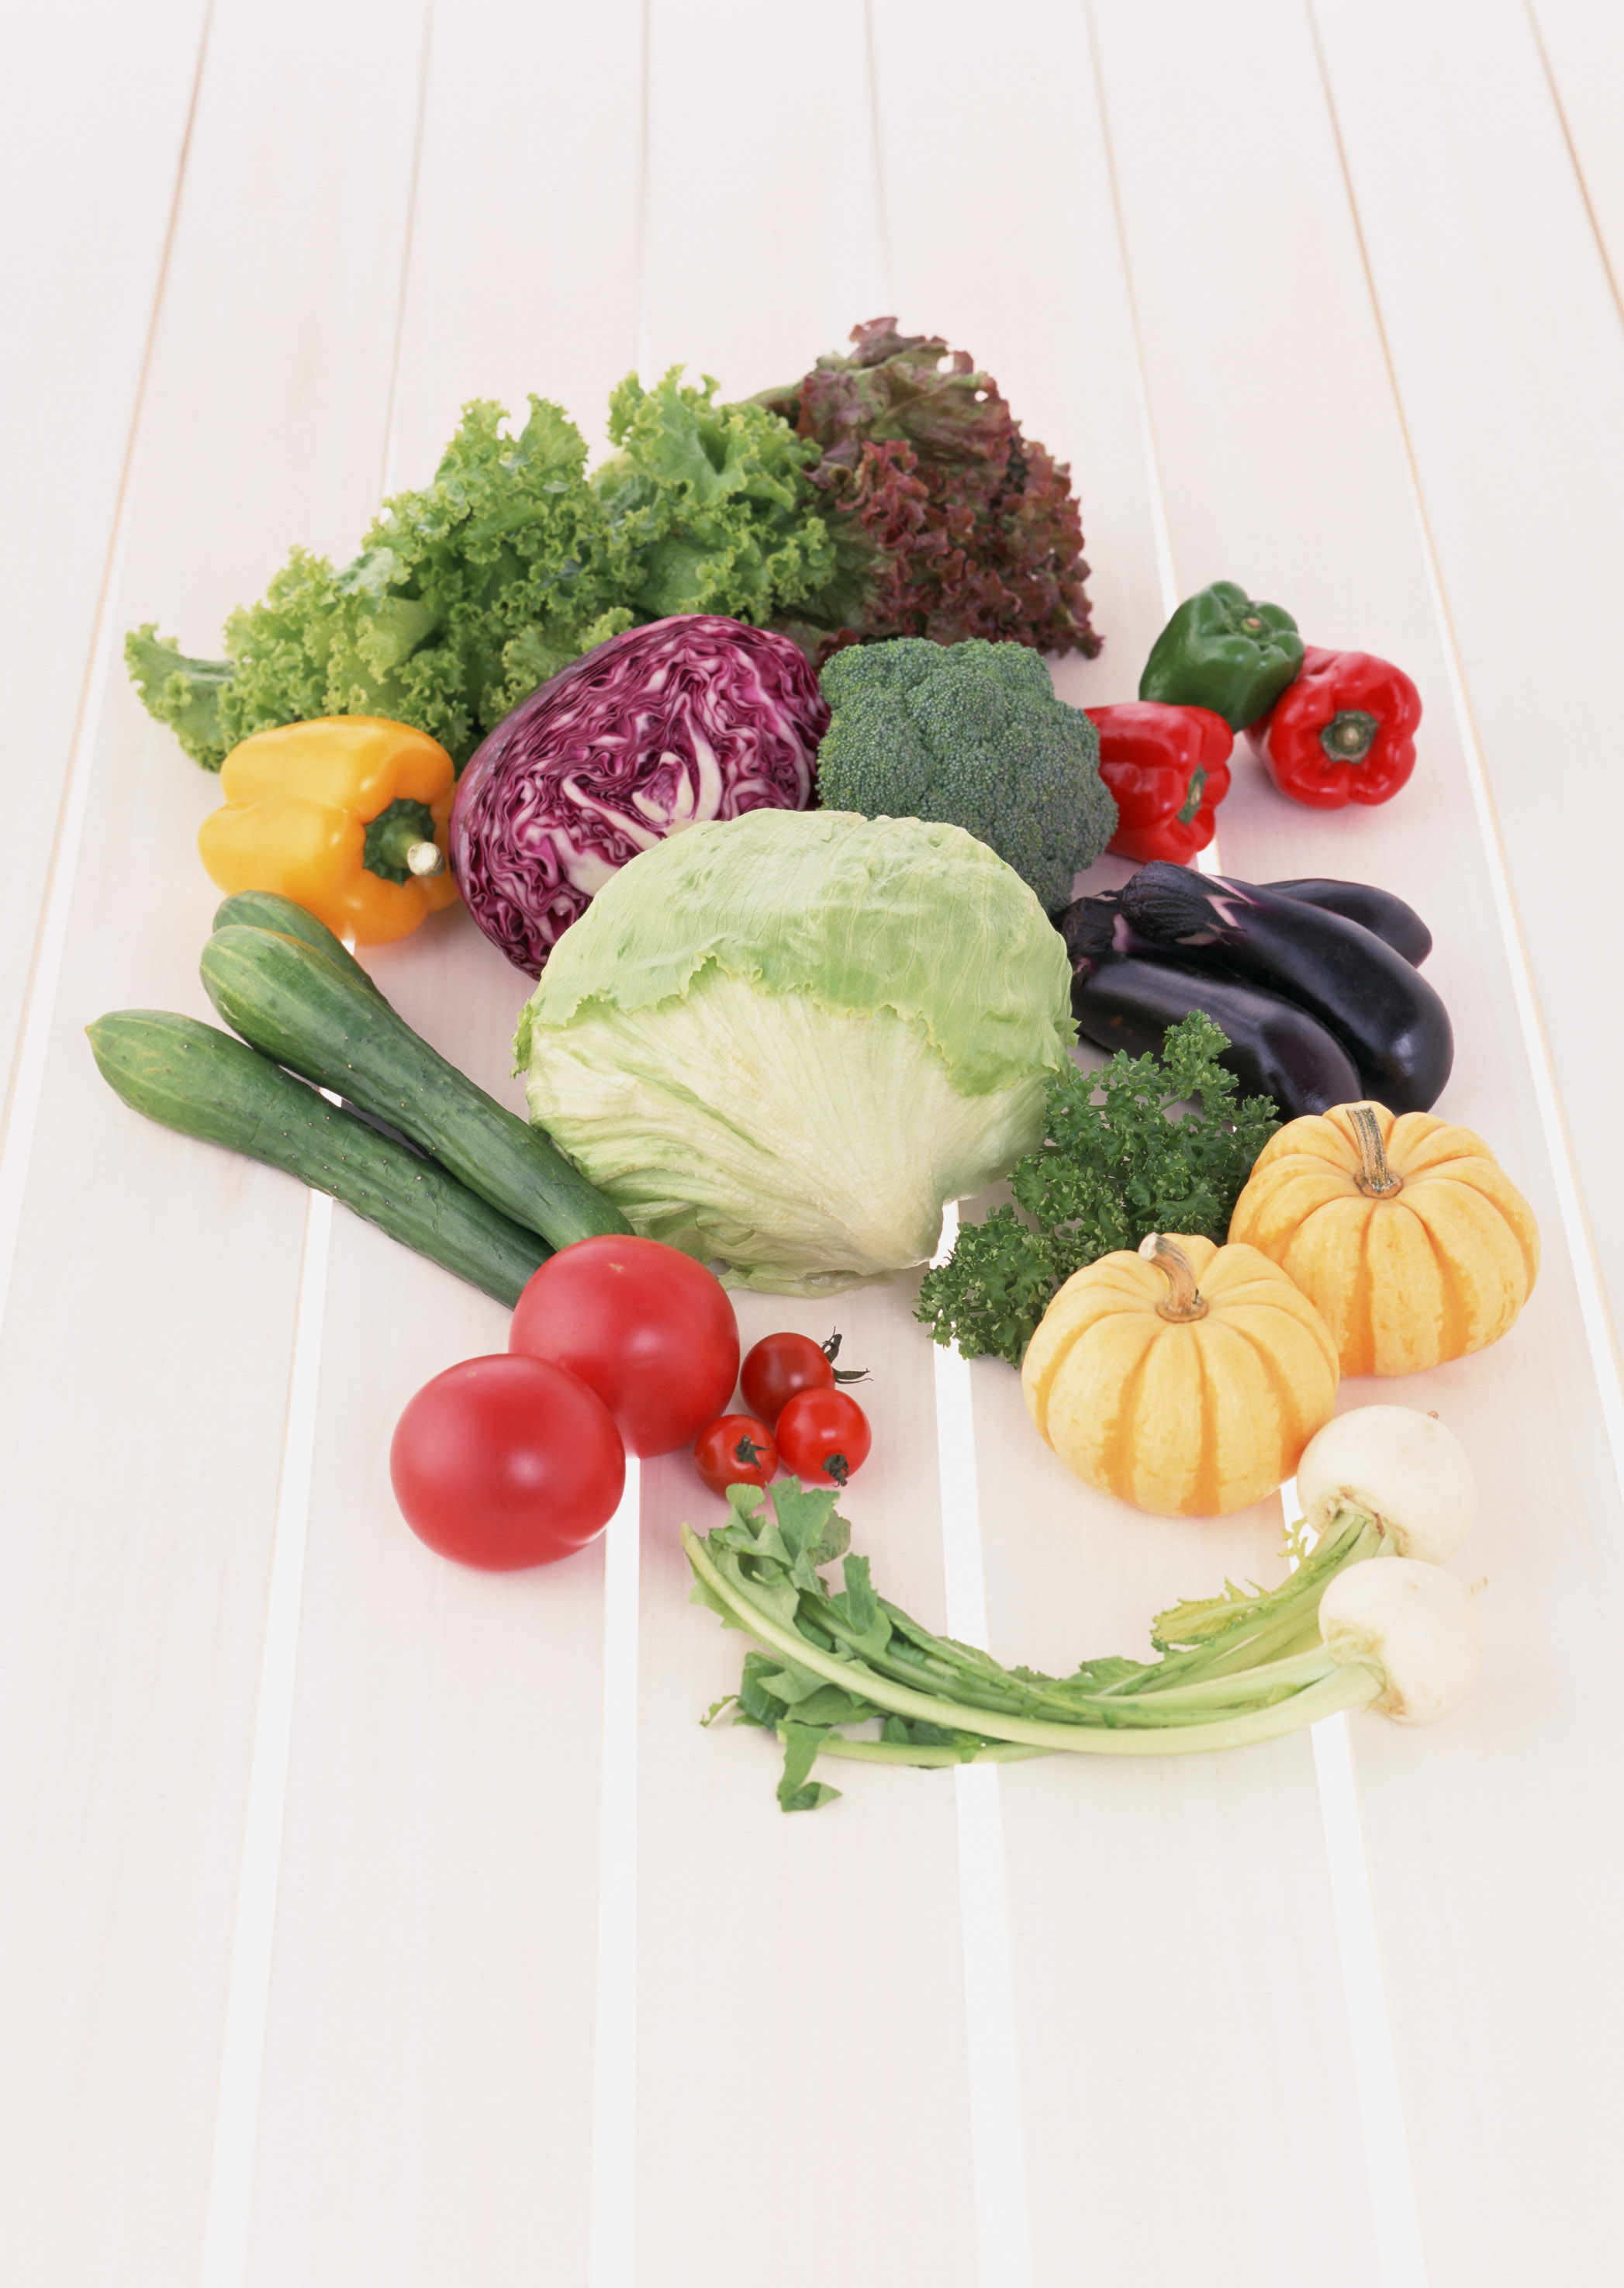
1375,1179
1184,1301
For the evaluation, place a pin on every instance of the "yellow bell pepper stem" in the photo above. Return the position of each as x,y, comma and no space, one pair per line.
345,815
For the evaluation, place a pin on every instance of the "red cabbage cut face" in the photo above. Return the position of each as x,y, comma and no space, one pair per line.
694,718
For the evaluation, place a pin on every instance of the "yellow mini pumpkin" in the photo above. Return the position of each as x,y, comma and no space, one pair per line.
1407,1232
1187,1378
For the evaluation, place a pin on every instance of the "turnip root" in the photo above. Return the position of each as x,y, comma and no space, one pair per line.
1419,1627
1405,1468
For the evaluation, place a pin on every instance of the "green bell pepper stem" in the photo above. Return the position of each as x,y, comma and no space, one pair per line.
1224,651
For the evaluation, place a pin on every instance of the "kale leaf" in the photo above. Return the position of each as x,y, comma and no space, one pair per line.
1119,1161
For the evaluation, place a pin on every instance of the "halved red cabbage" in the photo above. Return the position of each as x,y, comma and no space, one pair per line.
689,718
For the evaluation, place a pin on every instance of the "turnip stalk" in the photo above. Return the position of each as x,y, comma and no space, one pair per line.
1233,1669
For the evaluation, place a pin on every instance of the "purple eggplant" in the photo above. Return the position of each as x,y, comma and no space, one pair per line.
1385,1014
1379,911
1127,1001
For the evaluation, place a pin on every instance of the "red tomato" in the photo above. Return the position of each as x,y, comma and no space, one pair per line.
647,1328
823,1435
779,1365
735,1449
503,1462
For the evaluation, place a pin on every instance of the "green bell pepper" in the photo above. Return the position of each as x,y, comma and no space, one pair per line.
1222,651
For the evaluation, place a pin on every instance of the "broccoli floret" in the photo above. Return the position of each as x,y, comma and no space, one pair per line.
972,735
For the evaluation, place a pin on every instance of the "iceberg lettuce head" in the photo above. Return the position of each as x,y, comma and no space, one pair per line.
781,1042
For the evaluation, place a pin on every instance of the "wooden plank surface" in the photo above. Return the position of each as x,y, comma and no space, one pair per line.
429,2044
1214,1871
772,1959
148,1337
992,2033
99,92
1503,326
1478,1832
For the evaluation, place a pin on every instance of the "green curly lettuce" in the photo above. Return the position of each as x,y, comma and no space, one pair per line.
713,499
512,563
465,597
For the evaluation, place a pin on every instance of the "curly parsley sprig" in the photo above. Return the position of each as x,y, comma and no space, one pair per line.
1120,1160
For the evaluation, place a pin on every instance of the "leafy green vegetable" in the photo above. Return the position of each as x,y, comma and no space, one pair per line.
1110,1171
1243,1666
467,594
713,500
971,733
783,1040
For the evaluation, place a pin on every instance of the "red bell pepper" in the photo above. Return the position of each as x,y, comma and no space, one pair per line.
1168,770
1344,731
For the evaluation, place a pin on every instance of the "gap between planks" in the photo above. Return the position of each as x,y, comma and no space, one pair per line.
998,2162
228,2218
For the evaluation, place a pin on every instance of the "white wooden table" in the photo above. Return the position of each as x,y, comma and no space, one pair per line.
367,1923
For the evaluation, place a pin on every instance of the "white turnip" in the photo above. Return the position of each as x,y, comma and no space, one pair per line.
1419,1627
1403,1468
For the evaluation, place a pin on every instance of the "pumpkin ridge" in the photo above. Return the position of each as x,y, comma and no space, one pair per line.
1457,1328
1280,1213
1356,1351
1469,1175
1457,1144
1291,1419
1039,1387
1204,1493
1491,1229
1126,1401
1454,1331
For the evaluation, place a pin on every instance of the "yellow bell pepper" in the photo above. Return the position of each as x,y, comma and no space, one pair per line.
345,815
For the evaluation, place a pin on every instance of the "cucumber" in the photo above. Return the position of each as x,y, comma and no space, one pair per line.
263,910
297,1006
190,1077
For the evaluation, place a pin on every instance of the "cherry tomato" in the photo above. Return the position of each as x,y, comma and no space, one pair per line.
823,1435
779,1365
647,1328
506,1461
735,1449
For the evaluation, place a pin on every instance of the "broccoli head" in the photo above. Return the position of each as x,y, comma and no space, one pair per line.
971,735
